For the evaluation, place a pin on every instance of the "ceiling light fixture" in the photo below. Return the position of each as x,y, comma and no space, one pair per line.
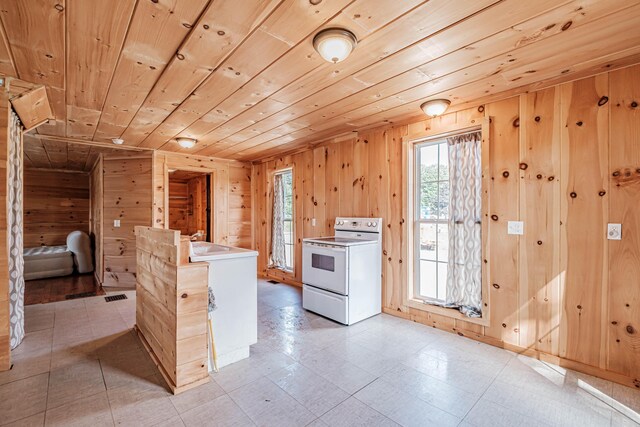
118,141
186,142
435,107
335,44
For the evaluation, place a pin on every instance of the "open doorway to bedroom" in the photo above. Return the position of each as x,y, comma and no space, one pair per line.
59,255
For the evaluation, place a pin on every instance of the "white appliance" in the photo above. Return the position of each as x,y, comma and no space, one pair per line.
341,275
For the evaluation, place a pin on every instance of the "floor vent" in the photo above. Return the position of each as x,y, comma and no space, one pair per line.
275,282
115,297
80,295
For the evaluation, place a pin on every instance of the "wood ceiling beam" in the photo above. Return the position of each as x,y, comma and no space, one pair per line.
454,52
580,40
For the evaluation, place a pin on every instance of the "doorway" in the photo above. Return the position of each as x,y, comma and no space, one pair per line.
190,204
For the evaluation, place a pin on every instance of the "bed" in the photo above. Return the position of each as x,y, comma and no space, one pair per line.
47,261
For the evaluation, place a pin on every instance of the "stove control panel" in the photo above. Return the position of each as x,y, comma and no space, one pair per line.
372,225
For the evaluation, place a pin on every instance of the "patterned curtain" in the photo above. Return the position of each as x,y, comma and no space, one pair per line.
277,232
464,278
14,231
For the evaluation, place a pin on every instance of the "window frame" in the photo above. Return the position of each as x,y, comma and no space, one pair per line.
417,216
420,135
288,268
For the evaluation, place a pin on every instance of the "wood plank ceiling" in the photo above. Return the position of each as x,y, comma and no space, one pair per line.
45,153
242,77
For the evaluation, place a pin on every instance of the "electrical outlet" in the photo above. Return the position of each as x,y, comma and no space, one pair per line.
116,223
515,227
614,231
313,222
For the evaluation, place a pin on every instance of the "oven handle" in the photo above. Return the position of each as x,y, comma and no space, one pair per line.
325,247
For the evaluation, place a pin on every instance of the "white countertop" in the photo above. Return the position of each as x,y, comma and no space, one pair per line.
204,251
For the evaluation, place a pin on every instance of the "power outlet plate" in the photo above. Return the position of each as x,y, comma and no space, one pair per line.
614,231
116,223
313,222
515,228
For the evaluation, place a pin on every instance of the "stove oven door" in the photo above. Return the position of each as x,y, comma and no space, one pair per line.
325,267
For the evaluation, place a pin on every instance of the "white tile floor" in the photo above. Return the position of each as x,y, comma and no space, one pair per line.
80,364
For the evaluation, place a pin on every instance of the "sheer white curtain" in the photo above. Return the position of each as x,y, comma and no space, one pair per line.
277,232
14,231
464,278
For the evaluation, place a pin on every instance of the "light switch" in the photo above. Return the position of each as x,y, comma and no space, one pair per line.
313,222
614,231
116,223
515,227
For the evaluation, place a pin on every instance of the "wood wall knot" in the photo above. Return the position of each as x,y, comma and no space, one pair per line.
523,166
59,7
184,295
494,217
481,109
630,329
579,123
614,323
505,174
516,122
539,176
601,193
504,325
206,27
180,56
551,178
579,307
495,285
537,119
539,242
567,25
616,173
634,104
602,101
573,194
221,33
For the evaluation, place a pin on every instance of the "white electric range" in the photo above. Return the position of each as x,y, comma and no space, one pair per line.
341,275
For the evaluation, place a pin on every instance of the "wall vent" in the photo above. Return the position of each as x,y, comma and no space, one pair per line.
115,297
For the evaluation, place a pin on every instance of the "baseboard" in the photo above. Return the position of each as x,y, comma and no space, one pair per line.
288,281
536,354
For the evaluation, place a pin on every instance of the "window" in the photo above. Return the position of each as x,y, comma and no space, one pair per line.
287,184
282,251
432,218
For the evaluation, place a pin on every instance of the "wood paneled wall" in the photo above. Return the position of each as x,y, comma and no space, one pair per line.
128,196
566,161
231,188
55,204
188,205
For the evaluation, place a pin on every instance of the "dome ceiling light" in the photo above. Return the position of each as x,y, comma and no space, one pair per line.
435,107
335,44
118,141
186,142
